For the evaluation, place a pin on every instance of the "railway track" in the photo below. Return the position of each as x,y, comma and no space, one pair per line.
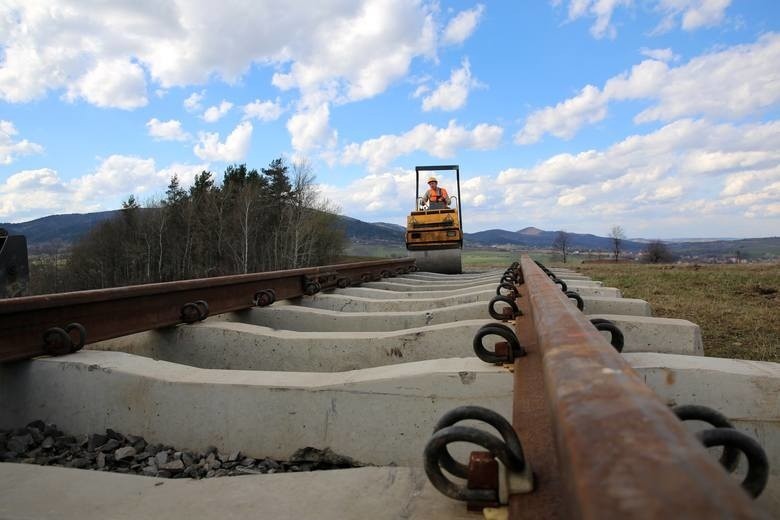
392,368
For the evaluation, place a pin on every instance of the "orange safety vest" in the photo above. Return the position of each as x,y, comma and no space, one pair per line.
437,195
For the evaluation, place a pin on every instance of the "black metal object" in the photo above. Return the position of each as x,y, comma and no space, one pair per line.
311,287
617,340
503,316
511,275
758,464
194,311
14,265
577,298
515,272
507,286
505,352
561,283
264,297
733,441
507,449
58,341
694,412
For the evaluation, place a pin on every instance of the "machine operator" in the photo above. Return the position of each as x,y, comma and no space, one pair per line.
437,197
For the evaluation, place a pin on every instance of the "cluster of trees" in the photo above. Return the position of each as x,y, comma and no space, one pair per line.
253,221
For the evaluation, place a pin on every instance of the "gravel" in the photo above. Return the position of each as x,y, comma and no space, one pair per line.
44,444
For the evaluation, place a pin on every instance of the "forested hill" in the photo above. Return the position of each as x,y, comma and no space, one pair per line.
58,229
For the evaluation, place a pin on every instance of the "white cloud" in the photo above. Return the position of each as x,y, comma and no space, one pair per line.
718,161
105,52
30,194
357,53
476,192
115,173
462,25
215,113
170,130
111,84
571,199
730,172
263,110
738,81
379,192
750,181
193,101
10,149
694,14
566,118
420,90
665,55
453,93
310,129
732,83
601,10
691,14
665,192
233,149
438,142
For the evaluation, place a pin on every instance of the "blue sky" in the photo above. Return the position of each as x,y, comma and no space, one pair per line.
658,116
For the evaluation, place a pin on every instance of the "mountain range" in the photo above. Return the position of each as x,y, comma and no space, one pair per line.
55,231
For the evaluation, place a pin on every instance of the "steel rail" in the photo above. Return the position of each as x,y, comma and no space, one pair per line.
110,313
620,451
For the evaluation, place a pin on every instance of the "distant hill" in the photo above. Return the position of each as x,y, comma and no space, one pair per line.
58,229
531,231
393,227
747,248
364,232
62,230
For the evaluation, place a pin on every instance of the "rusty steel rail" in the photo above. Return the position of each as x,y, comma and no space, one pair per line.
601,443
38,325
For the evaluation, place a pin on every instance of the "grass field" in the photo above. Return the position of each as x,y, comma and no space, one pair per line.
736,306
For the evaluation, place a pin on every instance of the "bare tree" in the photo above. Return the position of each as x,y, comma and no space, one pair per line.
617,235
561,244
656,252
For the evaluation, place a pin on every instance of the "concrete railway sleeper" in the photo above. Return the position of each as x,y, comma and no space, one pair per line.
386,373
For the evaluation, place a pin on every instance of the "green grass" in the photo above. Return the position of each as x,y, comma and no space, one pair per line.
736,306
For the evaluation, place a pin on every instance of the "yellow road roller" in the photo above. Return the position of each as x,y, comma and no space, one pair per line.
434,236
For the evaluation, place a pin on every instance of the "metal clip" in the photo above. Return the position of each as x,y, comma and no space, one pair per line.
488,484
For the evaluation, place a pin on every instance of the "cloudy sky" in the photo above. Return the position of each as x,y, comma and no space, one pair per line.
661,116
